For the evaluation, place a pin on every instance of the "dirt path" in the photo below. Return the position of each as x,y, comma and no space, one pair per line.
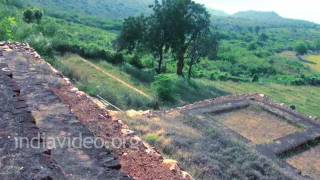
117,79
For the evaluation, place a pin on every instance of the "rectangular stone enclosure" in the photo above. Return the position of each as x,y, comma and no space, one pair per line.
257,125
275,130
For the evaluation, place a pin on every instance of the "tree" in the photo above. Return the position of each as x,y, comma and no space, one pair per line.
37,15
28,16
158,34
257,29
32,15
317,45
301,48
263,37
187,20
200,48
132,34
174,25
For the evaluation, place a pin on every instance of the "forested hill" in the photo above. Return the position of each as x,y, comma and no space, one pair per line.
109,9
271,19
120,9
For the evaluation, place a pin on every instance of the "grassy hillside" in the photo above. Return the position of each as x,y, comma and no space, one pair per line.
314,62
121,85
87,78
249,49
305,98
115,9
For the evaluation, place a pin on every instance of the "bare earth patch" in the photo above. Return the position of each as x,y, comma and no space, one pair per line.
308,162
258,126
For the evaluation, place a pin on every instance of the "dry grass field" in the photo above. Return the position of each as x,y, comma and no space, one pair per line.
258,126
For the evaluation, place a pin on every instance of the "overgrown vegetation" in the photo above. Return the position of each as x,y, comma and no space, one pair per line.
202,147
248,50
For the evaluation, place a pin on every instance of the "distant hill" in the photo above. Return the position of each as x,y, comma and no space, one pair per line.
257,15
119,9
271,19
215,12
109,9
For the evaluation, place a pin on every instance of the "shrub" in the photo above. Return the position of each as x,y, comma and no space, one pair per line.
146,76
164,86
301,48
218,75
255,78
41,44
152,138
117,58
136,62
7,28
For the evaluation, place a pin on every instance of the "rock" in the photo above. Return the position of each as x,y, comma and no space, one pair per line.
74,89
186,175
171,164
127,132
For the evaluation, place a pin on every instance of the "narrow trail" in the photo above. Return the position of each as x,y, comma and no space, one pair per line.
117,79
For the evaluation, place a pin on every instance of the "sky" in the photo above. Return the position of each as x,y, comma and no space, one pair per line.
297,9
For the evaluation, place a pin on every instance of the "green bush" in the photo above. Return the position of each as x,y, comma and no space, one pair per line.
164,86
217,75
136,62
301,48
152,138
146,76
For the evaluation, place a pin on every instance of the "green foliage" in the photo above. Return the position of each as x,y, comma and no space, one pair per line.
301,48
164,85
317,45
7,28
152,138
32,15
174,25
132,33
115,9
135,61
143,75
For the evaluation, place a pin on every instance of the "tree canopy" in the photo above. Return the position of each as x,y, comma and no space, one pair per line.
174,25
32,15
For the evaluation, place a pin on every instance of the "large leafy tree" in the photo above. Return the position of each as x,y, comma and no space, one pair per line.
175,25
32,15
205,45
301,48
187,21
158,34
132,34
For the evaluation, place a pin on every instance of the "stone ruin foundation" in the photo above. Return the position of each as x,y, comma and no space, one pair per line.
276,131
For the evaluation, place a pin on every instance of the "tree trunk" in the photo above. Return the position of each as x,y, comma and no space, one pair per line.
180,63
160,62
190,70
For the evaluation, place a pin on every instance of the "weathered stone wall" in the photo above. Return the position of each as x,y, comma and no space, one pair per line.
60,109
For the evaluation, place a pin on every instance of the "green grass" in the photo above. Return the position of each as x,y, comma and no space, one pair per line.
315,62
94,83
305,98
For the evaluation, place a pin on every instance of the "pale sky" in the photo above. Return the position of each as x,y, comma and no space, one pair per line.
297,9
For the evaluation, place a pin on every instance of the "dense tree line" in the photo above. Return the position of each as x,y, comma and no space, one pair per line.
180,27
